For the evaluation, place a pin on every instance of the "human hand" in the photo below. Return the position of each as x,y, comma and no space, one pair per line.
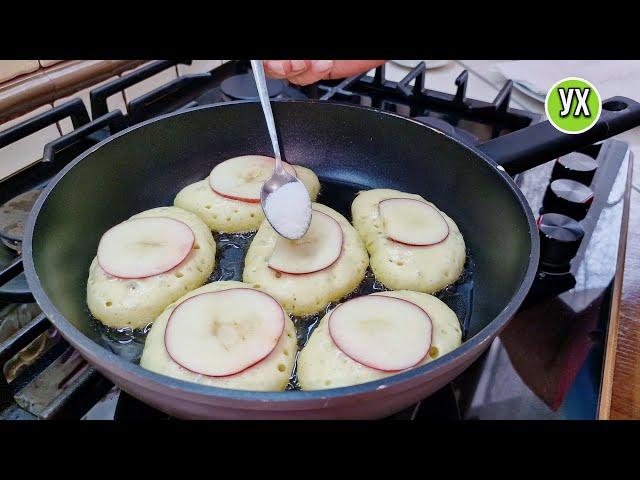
304,72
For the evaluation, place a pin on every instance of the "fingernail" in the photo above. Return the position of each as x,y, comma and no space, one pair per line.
298,65
276,67
322,65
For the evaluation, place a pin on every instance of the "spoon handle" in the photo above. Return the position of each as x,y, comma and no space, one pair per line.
261,83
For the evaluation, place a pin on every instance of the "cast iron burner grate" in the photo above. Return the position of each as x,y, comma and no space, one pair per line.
409,96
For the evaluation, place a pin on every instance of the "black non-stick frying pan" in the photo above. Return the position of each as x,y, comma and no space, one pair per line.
350,148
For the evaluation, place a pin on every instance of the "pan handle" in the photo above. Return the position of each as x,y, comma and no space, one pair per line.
539,143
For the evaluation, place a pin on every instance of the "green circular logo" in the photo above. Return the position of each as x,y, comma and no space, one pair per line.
573,105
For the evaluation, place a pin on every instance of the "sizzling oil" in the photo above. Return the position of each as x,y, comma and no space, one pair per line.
230,253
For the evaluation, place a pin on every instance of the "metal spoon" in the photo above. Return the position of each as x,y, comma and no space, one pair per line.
280,176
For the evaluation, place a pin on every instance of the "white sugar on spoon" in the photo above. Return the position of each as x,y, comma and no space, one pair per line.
284,198
285,212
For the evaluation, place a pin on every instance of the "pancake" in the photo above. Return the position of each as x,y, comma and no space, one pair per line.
321,364
398,266
227,215
134,303
270,374
306,294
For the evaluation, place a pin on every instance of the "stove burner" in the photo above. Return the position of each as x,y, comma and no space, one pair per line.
457,133
243,87
13,216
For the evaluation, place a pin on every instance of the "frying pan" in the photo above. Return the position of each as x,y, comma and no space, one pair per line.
349,147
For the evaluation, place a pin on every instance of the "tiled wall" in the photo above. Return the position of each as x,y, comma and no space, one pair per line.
10,69
19,155
23,153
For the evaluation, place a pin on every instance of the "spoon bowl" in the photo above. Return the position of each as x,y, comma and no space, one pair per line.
302,219
288,220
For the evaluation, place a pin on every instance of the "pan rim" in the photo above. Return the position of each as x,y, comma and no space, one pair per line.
153,381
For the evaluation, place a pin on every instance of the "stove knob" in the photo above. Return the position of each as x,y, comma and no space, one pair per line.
560,238
567,197
575,166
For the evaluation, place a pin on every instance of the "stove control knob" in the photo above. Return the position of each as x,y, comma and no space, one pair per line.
575,166
567,197
560,238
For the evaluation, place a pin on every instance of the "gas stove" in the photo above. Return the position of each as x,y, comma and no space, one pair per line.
547,364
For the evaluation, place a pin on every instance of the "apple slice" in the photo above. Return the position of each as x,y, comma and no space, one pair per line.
241,178
385,333
316,250
143,247
413,222
225,332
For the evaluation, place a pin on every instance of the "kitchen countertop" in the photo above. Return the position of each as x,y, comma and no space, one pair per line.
484,82
625,395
